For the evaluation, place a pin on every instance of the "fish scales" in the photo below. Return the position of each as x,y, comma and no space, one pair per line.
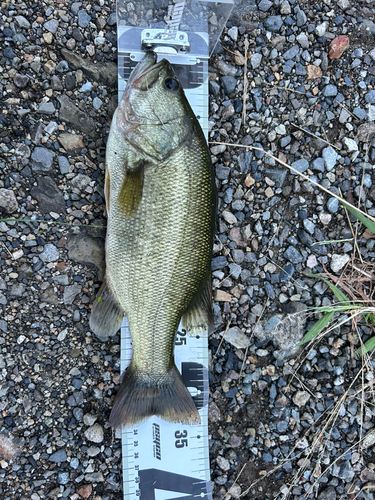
161,201
161,246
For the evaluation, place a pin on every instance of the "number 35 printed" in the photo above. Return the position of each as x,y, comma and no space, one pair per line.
181,439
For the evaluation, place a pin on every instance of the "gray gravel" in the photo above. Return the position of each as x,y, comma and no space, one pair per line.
58,92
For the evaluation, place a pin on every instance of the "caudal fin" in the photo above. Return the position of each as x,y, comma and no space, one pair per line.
140,397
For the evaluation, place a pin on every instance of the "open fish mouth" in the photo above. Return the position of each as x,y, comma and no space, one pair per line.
146,72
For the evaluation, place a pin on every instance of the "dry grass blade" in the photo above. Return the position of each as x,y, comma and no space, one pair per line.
221,341
316,136
245,83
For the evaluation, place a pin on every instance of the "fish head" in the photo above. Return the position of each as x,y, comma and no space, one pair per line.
154,113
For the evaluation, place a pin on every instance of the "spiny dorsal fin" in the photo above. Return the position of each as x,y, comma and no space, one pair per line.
106,314
131,190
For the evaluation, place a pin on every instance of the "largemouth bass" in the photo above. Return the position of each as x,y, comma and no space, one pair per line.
161,203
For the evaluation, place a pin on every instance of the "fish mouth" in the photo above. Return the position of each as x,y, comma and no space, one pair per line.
146,72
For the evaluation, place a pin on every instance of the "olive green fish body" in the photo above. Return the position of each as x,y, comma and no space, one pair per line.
161,203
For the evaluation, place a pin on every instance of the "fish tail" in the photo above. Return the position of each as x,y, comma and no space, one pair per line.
140,397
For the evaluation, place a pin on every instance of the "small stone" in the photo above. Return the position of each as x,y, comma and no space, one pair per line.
84,491
70,293
291,53
325,218
350,144
343,4
235,337
20,81
265,5
89,419
94,477
229,84
370,97
330,91
309,226
49,254
93,451
97,103
9,53
301,165
301,398
338,46
234,491
301,18
22,22
219,263
83,19
58,456
311,261
56,83
285,8
366,132
80,181
70,113
218,149
95,433
344,116
233,33
46,108
333,205
255,60
271,324
229,217
330,157
51,25
8,201
221,296
48,38
223,463
293,255
42,159
367,27
86,87
71,142
339,261
303,40
273,23
313,71
368,440
321,28
63,478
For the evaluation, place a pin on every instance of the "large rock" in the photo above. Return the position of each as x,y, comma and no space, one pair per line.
104,73
48,196
70,113
8,201
86,250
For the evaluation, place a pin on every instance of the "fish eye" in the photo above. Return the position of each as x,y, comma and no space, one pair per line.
171,84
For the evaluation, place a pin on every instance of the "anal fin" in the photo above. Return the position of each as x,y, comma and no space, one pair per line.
199,316
106,314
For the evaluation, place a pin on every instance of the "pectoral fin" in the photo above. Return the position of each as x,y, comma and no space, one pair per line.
131,190
199,316
106,314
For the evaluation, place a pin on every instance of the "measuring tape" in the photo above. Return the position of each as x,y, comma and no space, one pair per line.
162,460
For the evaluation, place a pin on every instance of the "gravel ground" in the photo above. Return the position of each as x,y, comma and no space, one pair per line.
58,91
